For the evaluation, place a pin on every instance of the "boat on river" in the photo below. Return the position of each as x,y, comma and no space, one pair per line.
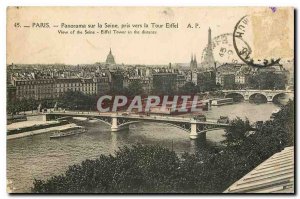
68,132
221,101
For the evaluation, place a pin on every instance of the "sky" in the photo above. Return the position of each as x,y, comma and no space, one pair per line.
270,35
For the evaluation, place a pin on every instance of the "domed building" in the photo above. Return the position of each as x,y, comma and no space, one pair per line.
110,58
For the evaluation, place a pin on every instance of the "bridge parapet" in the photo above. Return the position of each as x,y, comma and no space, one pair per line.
117,122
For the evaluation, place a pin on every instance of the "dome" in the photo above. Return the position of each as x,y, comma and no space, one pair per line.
110,58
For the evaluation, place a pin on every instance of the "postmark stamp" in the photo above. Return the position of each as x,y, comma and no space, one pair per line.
223,49
240,36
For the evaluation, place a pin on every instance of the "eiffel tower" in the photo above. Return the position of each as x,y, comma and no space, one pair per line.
208,59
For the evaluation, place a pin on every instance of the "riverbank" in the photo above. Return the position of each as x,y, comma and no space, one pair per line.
39,131
24,124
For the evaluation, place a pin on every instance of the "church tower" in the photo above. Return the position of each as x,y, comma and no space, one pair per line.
208,59
110,58
193,63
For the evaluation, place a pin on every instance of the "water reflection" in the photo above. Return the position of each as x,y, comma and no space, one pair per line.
117,140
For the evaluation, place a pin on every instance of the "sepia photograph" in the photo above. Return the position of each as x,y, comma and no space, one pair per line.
150,100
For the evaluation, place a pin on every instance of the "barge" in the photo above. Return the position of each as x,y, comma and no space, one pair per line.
221,101
68,132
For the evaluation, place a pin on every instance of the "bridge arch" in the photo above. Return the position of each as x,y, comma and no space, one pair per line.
128,123
281,98
237,97
258,97
185,127
101,120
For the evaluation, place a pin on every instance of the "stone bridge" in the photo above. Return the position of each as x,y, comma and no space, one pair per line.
269,94
117,122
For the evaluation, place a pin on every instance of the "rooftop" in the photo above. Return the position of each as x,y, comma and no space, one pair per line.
275,175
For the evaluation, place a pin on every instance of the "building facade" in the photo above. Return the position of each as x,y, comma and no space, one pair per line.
37,88
164,83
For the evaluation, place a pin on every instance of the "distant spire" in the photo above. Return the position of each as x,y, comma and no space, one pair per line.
110,51
208,59
192,57
195,59
209,36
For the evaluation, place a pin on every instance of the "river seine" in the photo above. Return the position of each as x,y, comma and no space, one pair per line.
39,157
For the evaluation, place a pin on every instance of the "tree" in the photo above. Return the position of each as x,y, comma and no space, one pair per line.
253,82
285,119
32,104
76,100
267,80
136,169
237,131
